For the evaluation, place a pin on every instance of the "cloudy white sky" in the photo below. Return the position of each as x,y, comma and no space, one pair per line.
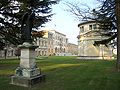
66,23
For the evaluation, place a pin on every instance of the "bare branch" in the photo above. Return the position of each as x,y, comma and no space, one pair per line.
82,12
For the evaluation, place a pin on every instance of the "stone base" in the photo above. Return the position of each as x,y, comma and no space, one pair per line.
27,82
27,72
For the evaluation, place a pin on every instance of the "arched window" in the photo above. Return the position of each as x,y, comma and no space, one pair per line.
82,28
56,50
64,50
42,52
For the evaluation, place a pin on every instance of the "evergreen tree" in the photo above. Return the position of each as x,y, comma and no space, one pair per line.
11,12
109,14
105,14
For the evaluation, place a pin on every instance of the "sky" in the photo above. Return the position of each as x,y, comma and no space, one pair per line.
66,23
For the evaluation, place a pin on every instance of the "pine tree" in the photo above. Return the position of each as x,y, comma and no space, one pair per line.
108,11
105,14
11,12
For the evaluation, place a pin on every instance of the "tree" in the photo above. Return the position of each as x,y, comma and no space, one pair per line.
117,9
11,12
108,11
104,14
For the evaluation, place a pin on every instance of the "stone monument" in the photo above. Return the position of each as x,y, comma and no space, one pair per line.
27,74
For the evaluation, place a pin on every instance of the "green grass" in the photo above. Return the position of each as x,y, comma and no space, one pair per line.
66,73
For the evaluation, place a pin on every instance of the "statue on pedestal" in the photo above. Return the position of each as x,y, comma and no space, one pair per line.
26,27
27,74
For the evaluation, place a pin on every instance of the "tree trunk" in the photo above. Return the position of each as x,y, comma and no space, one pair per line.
117,9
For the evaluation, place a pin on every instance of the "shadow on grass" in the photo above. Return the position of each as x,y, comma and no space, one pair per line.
67,73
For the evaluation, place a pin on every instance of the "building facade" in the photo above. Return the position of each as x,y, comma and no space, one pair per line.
8,51
52,43
88,34
42,47
60,43
72,49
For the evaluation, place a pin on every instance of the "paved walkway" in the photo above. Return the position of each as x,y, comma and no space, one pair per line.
12,57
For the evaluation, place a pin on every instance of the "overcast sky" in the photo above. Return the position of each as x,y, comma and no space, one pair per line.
66,23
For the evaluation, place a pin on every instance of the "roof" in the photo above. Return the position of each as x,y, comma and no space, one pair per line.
93,21
86,22
58,32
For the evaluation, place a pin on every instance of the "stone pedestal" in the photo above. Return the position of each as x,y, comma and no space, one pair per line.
27,74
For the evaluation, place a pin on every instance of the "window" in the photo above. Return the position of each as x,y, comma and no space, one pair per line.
45,43
90,27
42,43
55,49
94,26
82,28
39,42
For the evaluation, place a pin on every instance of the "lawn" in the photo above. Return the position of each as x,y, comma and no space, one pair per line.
66,73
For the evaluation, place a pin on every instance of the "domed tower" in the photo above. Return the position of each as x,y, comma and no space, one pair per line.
88,34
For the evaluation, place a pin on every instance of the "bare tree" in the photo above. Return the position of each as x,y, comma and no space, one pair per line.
109,10
81,12
104,13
